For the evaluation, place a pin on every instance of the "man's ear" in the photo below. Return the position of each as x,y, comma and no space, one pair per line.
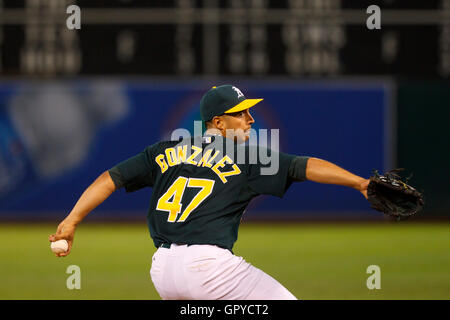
218,123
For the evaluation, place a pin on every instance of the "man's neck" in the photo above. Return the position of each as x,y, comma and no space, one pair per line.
213,132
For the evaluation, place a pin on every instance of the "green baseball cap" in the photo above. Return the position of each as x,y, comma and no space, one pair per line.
224,99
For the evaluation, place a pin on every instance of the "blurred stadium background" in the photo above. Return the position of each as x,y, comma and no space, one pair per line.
73,103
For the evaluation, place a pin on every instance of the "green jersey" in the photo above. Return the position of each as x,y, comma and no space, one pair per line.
201,189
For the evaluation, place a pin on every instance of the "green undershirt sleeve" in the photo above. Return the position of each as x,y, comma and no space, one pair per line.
116,177
297,169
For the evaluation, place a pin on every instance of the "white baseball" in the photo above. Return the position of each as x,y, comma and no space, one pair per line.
59,246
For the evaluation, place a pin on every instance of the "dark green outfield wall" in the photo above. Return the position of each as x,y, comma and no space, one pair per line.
423,120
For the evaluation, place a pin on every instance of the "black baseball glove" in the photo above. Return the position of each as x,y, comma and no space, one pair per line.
389,194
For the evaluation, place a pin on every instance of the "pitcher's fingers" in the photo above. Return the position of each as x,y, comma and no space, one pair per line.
55,237
63,254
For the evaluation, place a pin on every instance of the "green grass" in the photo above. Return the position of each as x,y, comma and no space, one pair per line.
314,261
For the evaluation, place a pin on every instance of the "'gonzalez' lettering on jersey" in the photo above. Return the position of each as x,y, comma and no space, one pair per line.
173,157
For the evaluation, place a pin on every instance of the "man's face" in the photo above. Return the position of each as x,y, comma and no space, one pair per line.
237,125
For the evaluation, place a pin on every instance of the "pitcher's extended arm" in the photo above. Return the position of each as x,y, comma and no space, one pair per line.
93,196
322,171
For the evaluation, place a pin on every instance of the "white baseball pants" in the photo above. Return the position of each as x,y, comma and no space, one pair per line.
207,272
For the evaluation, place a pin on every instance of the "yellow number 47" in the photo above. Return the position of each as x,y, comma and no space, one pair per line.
171,200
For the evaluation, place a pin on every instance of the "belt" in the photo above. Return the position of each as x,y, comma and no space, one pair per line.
167,245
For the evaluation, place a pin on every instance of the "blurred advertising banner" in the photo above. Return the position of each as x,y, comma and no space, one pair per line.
57,137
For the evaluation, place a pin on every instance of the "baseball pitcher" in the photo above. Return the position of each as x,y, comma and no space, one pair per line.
201,187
